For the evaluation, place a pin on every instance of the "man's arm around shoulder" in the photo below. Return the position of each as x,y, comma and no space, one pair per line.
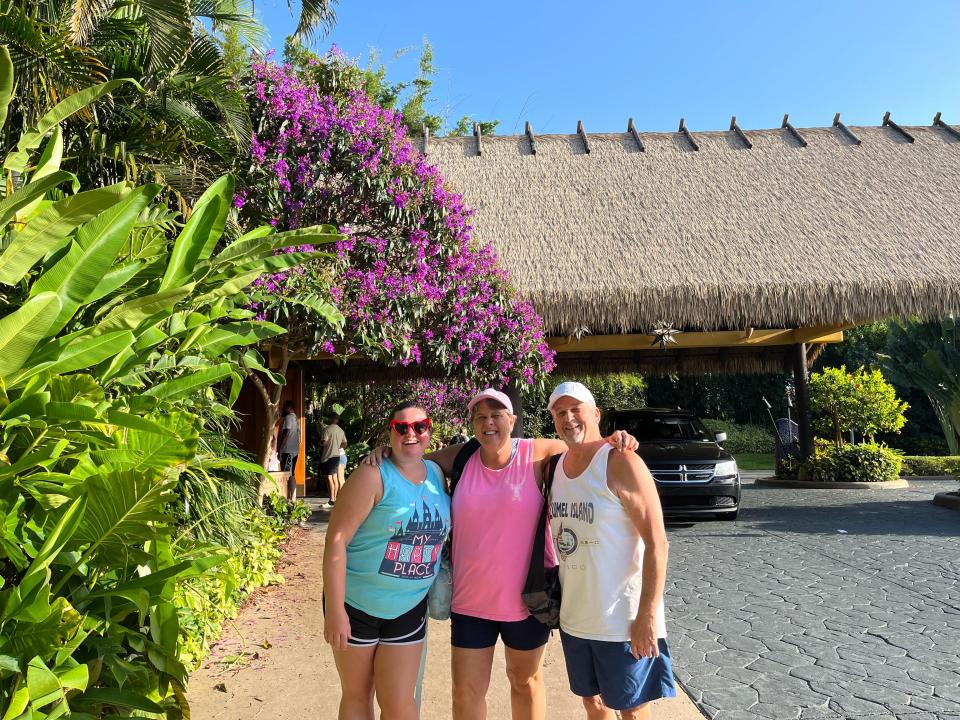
629,479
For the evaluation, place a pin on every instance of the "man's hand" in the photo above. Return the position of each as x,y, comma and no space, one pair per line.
336,627
623,441
643,638
376,456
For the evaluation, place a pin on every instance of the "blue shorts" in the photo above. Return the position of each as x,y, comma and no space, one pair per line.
609,669
473,633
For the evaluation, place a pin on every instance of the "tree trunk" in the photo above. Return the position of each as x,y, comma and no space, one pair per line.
271,404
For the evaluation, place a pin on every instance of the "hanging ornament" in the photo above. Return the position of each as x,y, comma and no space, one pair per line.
663,334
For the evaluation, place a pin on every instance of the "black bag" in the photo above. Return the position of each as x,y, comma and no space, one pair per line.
541,591
460,462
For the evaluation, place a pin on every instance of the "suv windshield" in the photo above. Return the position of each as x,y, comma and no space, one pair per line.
653,428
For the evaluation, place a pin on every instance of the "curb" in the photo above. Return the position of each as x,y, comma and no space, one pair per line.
950,500
885,485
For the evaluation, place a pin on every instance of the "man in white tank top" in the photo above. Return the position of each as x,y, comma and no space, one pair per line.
608,529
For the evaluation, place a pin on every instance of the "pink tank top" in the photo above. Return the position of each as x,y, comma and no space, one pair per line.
494,516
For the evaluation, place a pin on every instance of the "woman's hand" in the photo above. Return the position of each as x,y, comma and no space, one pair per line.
336,627
623,441
377,455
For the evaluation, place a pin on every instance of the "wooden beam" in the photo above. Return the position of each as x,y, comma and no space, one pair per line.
686,133
739,133
631,128
887,122
529,132
793,131
847,131
721,338
938,122
583,136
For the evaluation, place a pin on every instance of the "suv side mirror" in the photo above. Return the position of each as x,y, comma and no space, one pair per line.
720,437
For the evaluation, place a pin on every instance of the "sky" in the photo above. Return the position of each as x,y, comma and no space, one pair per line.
607,60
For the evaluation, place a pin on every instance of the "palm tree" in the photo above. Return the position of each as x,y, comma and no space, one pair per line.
190,119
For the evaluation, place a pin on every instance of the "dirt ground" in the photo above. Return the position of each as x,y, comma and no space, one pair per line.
272,661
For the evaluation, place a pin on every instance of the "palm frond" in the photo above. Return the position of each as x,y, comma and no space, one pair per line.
314,15
84,18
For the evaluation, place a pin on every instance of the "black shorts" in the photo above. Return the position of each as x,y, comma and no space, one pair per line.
367,630
330,465
473,633
288,462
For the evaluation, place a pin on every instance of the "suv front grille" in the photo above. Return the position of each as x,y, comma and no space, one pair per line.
682,472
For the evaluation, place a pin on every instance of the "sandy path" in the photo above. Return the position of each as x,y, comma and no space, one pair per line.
287,670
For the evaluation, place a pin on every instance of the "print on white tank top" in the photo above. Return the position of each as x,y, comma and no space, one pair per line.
600,554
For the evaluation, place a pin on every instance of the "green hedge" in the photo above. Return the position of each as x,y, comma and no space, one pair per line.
864,462
931,465
743,438
204,603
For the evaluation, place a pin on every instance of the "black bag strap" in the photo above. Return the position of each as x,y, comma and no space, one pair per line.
460,462
536,579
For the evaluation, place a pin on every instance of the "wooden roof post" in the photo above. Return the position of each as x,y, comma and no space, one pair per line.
847,131
793,131
636,136
476,134
529,132
583,137
800,384
739,133
686,133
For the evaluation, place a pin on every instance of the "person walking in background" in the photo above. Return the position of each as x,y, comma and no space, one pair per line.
332,441
381,557
288,447
607,525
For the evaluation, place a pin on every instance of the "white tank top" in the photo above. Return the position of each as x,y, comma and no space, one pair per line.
600,554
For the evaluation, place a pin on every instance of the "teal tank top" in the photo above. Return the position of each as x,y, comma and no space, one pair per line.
393,557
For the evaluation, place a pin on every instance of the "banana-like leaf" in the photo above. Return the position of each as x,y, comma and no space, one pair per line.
260,242
23,329
49,163
181,386
85,352
30,140
222,337
6,83
201,233
112,531
130,315
50,229
114,280
137,422
77,274
31,192
25,640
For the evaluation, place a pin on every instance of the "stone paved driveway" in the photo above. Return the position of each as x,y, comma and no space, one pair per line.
820,604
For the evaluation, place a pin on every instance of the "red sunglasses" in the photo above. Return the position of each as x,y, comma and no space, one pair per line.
402,427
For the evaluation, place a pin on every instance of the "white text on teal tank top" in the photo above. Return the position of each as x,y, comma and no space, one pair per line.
393,557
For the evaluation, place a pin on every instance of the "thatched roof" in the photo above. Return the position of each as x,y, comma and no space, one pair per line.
726,237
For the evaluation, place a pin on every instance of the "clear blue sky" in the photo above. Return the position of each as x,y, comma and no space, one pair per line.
607,60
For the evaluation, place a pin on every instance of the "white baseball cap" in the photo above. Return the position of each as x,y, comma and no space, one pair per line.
576,390
491,394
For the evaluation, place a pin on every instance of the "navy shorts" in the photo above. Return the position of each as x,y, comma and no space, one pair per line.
609,669
368,630
475,633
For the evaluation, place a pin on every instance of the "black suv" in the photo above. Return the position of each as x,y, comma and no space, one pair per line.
694,474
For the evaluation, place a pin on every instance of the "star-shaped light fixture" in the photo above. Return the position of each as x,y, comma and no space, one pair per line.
663,334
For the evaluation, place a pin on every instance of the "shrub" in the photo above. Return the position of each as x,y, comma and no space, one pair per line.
931,465
863,400
743,438
863,462
204,603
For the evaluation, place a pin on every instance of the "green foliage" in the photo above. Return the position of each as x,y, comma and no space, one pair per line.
123,341
287,512
741,438
726,397
204,603
612,391
927,356
931,465
861,400
862,462
466,124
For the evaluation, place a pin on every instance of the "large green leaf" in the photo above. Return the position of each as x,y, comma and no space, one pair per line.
30,140
31,192
23,329
222,337
156,450
124,506
50,230
261,242
131,314
201,233
79,272
82,353
181,386
25,640
6,83
121,699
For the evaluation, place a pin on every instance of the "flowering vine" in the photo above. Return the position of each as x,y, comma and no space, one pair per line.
411,283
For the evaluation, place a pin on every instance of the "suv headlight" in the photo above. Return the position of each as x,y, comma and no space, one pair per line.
727,470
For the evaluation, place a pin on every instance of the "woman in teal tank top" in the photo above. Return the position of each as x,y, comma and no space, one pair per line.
382,555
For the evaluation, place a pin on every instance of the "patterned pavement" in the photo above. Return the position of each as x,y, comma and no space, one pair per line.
820,604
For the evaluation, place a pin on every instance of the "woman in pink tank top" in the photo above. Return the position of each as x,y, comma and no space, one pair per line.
495,513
